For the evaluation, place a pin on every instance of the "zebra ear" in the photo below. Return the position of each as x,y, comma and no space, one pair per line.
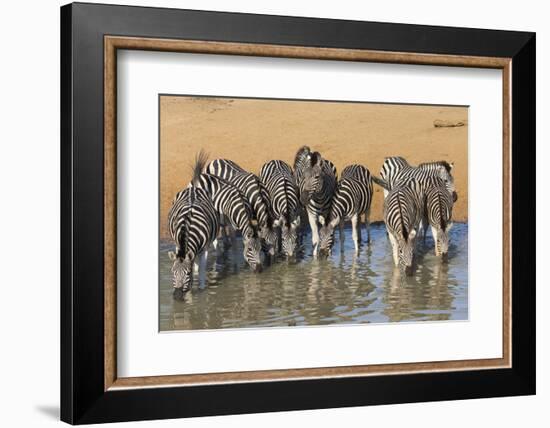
172,256
449,225
322,220
412,234
296,222
315,158
276,223
451,166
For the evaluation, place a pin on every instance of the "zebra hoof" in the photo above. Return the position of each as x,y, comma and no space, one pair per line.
445,257
409,271
179,294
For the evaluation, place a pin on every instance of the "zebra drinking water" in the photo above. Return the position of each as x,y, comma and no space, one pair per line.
193,224
278,180
438,213
352,198
403,210
254,191
316,180
233,207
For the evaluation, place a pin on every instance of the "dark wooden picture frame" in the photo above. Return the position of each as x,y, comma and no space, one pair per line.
90,37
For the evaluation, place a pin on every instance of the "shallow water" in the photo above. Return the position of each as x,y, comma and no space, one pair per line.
342,289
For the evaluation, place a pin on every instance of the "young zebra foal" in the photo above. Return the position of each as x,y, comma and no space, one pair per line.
193,224
352,198
232,207
278,180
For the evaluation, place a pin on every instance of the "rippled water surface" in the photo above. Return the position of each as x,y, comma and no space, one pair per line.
342,289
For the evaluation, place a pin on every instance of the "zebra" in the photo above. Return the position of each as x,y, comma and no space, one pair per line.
396,170
352,198
193,224
438,213
278,179
403,211
231,205
256,194
316,180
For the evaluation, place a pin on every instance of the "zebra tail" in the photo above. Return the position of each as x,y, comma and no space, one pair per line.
381,183
200,162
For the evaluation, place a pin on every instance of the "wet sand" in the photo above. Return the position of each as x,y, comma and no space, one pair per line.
251,132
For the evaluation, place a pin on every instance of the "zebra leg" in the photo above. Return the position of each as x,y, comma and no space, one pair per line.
341,235
314,232
425,229
394,249
202,268
367,224
359,234
355,232
435,236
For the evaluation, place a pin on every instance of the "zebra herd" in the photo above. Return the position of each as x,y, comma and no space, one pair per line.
270,210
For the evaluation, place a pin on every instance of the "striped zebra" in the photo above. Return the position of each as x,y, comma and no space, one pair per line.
352,198
250,185
403,211
316,180
278,180
397,170
438,213
232,206
193,224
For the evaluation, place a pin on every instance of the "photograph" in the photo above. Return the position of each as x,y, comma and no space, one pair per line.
286,212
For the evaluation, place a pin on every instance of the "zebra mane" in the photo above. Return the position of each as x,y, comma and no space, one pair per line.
442,163
200,162
301,154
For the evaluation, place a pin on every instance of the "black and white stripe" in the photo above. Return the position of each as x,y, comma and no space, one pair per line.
403,210
438,213
316,180
278,179
232,206
396,170
250,185
352,198
193,224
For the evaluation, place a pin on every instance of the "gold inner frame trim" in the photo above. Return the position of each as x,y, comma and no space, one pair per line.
113,43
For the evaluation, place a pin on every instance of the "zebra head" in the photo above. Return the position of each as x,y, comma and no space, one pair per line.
326,236
289,236
269,238
252,252
182,272
441,237
444,172
312,180
405,252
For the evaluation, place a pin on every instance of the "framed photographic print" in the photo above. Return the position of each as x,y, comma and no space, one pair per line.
265,213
